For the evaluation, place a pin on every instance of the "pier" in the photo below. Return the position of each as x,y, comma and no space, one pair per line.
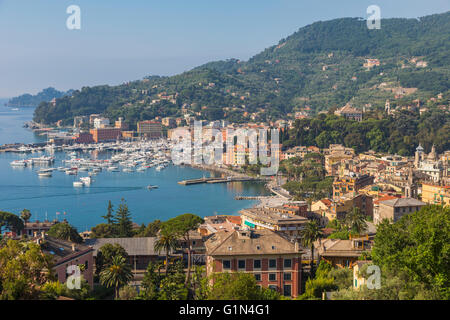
215,180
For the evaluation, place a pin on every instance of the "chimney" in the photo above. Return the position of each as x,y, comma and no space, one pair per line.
296,246
73,247
34,234
43,235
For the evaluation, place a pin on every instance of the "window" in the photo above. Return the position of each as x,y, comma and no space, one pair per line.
287,276
287,263
272,277
256,264
241,264
287,290
226,264
86,265
272,263
258,276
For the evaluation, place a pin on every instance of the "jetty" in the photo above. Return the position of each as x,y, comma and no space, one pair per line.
216,180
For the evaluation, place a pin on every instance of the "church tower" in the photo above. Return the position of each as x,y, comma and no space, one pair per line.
410,190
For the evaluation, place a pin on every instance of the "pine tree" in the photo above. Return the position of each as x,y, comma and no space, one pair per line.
123,221
109,217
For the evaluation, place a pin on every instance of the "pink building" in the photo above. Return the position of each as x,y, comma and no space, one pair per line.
65,254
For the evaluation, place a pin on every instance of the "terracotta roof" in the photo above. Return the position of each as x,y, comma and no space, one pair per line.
234,219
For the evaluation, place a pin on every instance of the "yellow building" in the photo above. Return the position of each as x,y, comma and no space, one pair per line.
434,194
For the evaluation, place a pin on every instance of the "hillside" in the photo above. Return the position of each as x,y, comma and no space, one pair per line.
321,66
28,100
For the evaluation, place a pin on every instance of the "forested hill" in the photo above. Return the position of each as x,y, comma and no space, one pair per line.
28,100
319,67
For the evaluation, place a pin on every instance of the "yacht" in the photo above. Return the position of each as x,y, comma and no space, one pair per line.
86,181
19,163
45,173
78,184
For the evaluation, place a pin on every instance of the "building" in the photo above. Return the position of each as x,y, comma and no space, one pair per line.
79,121
150,129
106,134
343,205
120,124
140,250
169,122
272,219
84,137
32,229
435,194
351,183
66,254
274,261
348,112
343,253
101,122
394,209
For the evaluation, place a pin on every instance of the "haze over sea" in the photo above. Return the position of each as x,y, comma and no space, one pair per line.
22,188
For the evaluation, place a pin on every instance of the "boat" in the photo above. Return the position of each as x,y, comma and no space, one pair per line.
19,163
86,181
71,172
150,187
78,184
113,169
45,173
140,169
128,170
84,169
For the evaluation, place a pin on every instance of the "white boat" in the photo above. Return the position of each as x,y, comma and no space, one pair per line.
78,184
140,169
45,173
128,170
19,163
71,172
113,169
84,169
86,181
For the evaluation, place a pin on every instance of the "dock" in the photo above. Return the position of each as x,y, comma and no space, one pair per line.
215,180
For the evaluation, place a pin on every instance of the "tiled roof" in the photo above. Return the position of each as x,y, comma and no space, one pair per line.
249,242
133,246
403,202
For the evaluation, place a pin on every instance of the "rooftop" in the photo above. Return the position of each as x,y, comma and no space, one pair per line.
272,216
133,246
403,202
249,242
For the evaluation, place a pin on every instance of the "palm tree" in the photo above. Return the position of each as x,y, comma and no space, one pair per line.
116,274
356,221
167,241
25,214
309,235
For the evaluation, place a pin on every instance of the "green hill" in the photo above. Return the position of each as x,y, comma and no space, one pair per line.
28,100
320,66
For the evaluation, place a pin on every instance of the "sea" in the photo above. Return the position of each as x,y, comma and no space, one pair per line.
56,198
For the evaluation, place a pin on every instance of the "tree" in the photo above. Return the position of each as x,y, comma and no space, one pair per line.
182,226
172,285
151,282
167,241
109,217
237,286
117,273
356,221
103,230
25,214
106,253
123,221
10,221
418,244
309,235
65,231
23,270
127,293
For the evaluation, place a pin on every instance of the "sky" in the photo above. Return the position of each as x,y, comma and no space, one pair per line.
127,40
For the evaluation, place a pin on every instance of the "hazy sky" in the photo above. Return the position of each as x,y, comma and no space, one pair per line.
129,39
